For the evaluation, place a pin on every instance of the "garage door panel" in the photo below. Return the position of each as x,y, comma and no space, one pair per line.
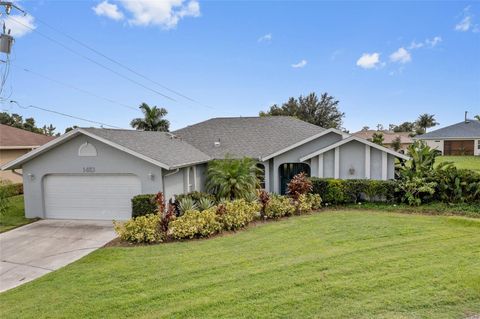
103,197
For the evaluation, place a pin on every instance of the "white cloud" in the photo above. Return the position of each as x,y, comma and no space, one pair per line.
401,56
265,38
467,23
433,42
25,25
369,60
300,64
427,43
163,13
109,10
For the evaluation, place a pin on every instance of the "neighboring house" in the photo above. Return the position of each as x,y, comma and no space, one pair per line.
15,142
388,138
458,139
92,173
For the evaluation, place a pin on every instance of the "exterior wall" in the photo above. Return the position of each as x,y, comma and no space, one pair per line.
375,164
329,164
7,156
201,177
391,167
435,144
64,159
294,155
174,182
352,160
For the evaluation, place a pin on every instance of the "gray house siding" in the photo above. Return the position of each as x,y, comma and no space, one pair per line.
329,164
352,160
375,164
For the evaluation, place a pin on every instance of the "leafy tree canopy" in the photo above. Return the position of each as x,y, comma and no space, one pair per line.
321,111
16,120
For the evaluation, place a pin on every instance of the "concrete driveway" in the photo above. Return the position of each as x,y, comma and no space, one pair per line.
34,250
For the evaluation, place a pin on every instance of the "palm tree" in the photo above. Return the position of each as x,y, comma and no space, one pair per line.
232,178
426,121
152,119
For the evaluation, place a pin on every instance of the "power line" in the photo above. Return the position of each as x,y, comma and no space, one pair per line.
92,61
83,44
62,114
79,89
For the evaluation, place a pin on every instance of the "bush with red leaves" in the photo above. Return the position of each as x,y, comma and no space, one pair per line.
299,185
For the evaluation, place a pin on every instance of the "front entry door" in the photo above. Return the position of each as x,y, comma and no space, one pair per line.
288,170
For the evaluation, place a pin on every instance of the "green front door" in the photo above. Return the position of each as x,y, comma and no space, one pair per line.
288,170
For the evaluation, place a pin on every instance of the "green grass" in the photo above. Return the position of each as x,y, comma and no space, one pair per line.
337,264
468,162
15,216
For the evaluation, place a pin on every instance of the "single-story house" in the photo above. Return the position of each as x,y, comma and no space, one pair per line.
15,142
92,173
458,139
388,138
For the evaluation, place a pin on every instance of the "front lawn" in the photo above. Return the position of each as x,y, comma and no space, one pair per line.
337,264
15,216
468,162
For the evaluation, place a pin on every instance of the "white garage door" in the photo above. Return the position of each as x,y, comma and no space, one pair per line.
104,197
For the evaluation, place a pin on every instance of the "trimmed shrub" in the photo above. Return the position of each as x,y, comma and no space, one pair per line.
142,229
144,205
237,213
194,224
455,185
279,206
11,189
315,201
337,191
303,205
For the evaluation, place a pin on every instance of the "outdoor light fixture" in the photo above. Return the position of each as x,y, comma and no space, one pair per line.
351,170
152,177
32,177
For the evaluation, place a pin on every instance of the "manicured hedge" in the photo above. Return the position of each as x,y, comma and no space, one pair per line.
13,189
337,191
143,205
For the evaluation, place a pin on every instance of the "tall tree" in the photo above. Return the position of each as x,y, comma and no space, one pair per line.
397,144
16,120
153,119
405,127
477,117
377,138
321,111
425,121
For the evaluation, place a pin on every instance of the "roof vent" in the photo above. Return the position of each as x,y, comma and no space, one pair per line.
217,143
466,119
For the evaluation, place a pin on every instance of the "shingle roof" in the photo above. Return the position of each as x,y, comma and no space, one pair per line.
14,137
254,137
468,129
388,136
159,146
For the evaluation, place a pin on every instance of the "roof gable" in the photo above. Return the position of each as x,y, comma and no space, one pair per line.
358,139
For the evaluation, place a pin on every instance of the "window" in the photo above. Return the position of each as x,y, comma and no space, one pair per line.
87,149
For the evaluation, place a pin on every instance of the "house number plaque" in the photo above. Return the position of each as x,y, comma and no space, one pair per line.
89,169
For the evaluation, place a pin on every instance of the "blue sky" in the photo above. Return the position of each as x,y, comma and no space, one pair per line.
386,62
